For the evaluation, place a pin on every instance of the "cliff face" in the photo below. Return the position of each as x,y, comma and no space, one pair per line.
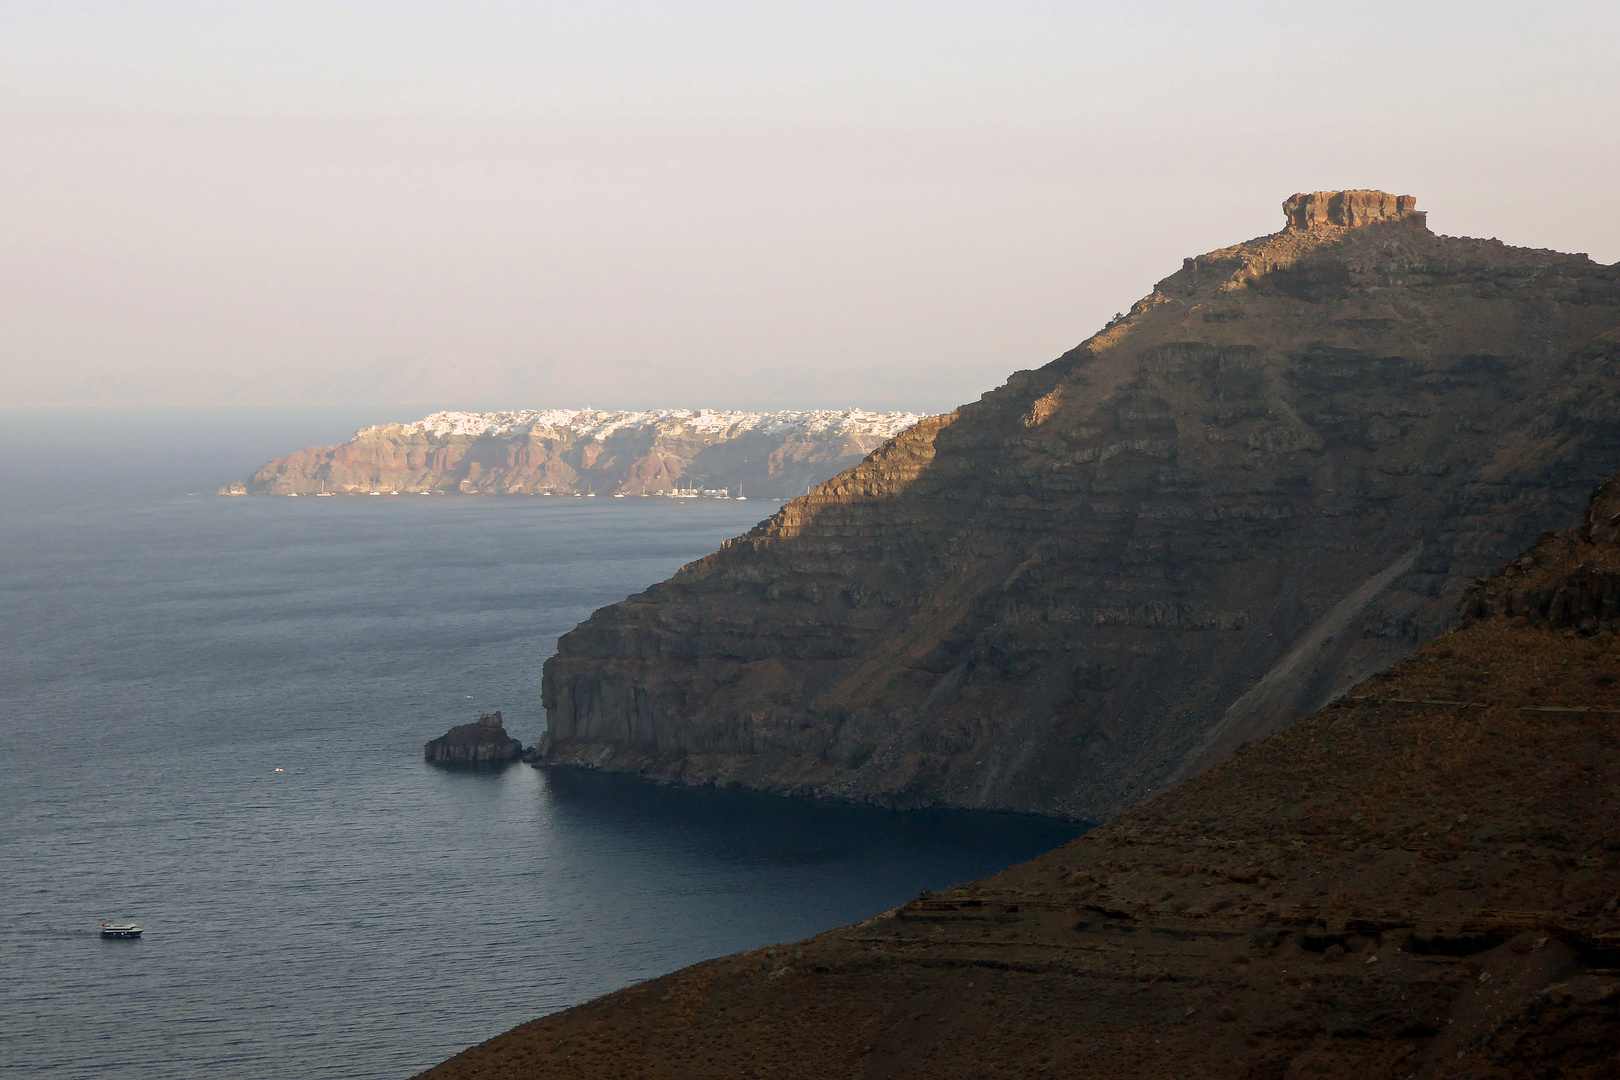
1421,880
1273,477
583,451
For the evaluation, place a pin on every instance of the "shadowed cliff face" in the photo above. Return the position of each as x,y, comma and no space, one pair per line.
1273,477
1421,880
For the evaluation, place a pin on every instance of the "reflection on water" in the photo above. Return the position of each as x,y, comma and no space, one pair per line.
746,828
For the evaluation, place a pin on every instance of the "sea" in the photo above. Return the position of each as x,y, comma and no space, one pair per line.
212,713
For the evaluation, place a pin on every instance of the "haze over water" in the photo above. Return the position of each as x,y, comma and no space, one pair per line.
356,913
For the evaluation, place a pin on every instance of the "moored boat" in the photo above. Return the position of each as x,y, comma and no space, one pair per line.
120,930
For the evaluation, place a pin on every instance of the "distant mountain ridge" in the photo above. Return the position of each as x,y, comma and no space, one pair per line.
588,452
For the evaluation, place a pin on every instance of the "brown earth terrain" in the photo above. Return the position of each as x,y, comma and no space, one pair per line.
1420,880
1273,477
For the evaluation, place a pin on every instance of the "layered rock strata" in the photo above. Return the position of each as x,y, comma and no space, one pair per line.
484,742
1274,476
1419,881
1350,209
586,452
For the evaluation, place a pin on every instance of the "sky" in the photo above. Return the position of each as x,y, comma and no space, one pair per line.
711,204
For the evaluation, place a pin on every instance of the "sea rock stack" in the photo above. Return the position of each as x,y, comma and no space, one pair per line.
484,742
1276,475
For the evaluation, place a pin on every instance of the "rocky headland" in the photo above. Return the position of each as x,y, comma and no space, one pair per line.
586,452
1418,881
1274,476
484,742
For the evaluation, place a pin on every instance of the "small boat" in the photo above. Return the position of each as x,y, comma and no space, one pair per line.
120,930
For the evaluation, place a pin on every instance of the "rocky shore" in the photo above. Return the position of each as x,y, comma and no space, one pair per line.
484,742
1421,880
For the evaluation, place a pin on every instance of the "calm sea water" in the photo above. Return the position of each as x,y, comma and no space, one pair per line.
211,719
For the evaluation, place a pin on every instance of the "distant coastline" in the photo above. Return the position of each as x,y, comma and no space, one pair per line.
680,453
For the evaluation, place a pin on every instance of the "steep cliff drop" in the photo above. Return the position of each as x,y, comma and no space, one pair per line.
1271,478
1420,881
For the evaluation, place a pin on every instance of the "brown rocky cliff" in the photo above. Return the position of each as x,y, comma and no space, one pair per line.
1420,881
1351,209
1275,475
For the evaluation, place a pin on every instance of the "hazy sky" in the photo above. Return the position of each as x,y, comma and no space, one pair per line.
734,205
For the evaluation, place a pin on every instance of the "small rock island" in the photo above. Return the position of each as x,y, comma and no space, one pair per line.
482,743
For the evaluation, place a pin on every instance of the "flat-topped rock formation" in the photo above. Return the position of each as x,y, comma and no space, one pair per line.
587,452
1351,209
1419,881
1274,476
484,742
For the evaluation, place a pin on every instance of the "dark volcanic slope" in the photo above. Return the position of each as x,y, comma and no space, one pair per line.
1273,477
1419,881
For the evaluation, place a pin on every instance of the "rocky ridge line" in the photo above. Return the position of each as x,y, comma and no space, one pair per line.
1274,476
